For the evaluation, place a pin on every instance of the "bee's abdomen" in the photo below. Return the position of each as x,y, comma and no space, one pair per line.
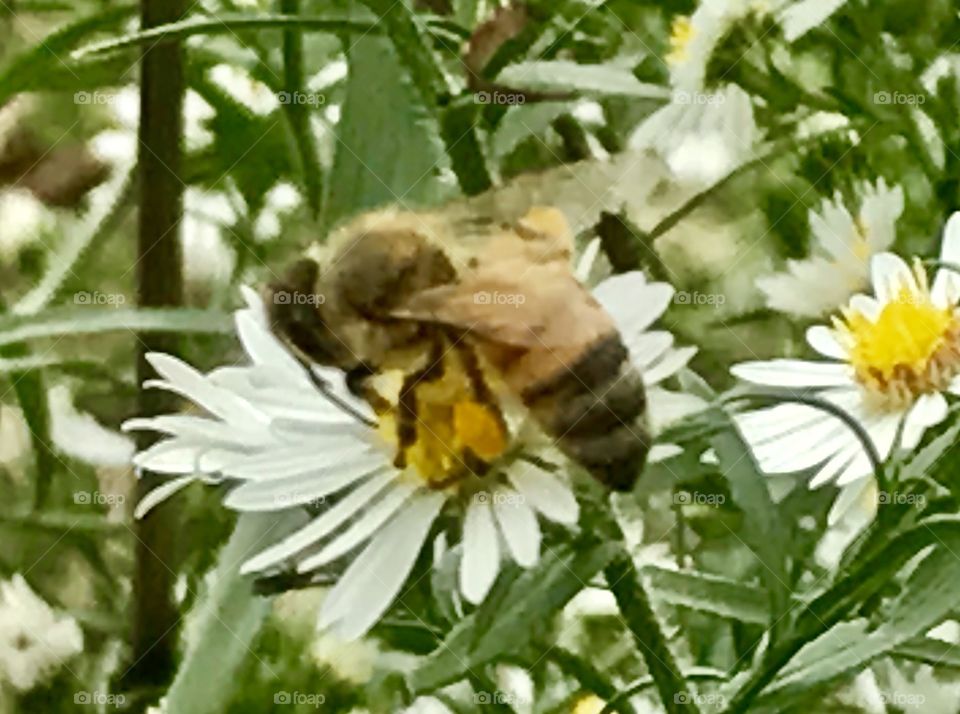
596,410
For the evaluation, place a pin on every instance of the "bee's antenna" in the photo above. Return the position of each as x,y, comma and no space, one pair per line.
324,388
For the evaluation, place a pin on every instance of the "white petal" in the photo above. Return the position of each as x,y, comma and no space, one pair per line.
836,464
855,493
672,362
369,522
545,492
184,380
633,303
928,410
890,274
822,339
160,494
946,284
279,494
647,347
866,306
481,552
793,373
198,429
796,454
374,579
170,456
265,349
308,460
519,526
662,452
321,526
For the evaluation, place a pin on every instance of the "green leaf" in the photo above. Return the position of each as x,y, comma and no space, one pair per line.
388,150
929,650
505,624
925,459
709,593
927,598
222,625
763,529
228,23
28,70
595,79
60,322
522,122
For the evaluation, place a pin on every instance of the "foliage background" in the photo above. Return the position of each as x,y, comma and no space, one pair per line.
300,114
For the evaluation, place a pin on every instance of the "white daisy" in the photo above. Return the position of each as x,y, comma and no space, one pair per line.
34,641
702,137
798,18
839,261
894,354
283,443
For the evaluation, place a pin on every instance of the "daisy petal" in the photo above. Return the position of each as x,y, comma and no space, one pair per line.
160,494
481,552
927,411
793,373
633,303
670,364
890,274
545,492
373,580
519,526
280,494
822,339
365,526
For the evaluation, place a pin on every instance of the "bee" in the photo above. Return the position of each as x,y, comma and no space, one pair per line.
469,319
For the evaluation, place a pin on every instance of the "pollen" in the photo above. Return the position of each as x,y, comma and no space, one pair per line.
682,33
912,348
456,435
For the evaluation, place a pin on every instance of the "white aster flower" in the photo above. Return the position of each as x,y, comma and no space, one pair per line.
702,137
894,355
283,443
798,18
839,262
34,641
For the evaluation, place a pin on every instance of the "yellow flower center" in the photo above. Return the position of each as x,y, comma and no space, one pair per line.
456,435
912,348
682,33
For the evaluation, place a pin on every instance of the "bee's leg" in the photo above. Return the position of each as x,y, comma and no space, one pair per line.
478,383
407,410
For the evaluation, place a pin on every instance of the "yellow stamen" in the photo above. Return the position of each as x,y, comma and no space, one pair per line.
682,33
912,348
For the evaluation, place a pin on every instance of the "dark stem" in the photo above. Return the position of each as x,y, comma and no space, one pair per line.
159,284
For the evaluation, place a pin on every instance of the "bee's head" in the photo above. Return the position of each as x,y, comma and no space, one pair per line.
295,308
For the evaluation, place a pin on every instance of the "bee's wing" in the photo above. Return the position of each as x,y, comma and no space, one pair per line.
528,306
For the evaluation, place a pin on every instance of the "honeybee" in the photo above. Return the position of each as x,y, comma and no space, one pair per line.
469,320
